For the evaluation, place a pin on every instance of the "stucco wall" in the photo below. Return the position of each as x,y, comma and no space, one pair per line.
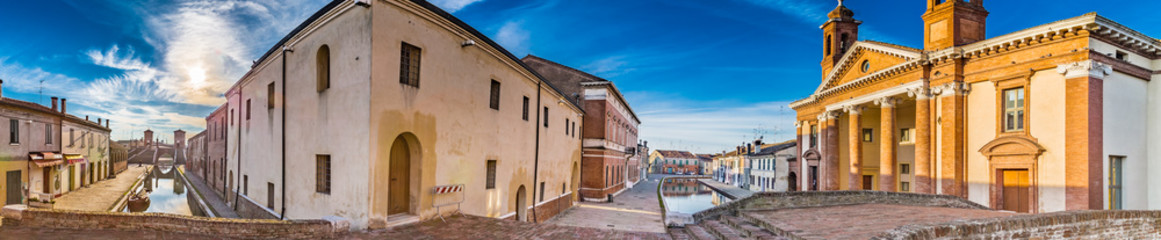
981,119
1125,109
1154,136
1046,111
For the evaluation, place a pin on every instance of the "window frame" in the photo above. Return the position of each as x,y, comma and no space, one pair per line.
322,174
270,95
490,174
410,55
1116,191
323,68
13,131
868,135
1002,86
813,135
48,134
526,107
494,95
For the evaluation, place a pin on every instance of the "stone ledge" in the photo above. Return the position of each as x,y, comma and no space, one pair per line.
331,227
805,199
1095,224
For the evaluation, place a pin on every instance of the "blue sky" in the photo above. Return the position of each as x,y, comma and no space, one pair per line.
702,75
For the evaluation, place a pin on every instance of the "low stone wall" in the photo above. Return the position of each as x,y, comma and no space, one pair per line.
1088,224
551,208
248,208
22,216
786,200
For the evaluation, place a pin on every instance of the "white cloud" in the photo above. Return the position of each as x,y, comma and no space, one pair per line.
453,5
609,67
810,11
669,122
514,37
24,79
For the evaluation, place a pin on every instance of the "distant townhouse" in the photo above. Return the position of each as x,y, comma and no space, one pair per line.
705,163
380,111
611,155
675,162
769,166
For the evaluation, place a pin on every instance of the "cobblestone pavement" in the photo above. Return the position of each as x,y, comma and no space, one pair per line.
68,234
472,227
210,196
102,195
862,221
727,189
636,210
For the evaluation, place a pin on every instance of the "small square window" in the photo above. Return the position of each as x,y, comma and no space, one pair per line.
868,135
1122,56
905,186
905,168
905,135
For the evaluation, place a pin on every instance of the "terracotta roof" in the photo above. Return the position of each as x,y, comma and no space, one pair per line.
47,110
677,154
894,45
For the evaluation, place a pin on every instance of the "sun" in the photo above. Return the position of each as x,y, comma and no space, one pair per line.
197,74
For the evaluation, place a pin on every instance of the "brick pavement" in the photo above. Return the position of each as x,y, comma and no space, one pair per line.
210,196
636,210
100,196
862,221
472,227
729,190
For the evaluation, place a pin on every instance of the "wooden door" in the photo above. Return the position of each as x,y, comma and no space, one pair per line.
47,180
12,193
1015,195
399,187
868,182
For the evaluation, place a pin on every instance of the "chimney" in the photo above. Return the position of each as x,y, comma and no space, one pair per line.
54,104
106,123
749,148
64,105
1,89
86,117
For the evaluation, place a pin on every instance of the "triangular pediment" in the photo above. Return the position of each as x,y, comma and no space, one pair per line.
878,56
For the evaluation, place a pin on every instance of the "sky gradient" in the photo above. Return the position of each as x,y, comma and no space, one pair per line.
702,75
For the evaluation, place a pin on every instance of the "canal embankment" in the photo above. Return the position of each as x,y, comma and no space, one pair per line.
104,195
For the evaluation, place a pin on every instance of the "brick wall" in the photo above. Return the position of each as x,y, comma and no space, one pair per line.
19,215
785,200
247,208
1087,224
551,208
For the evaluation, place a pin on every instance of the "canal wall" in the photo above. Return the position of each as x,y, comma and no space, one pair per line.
1087,224
673,218
22,216
787,200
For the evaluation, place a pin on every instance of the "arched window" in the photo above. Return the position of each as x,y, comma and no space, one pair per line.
843,44
324,68
827,45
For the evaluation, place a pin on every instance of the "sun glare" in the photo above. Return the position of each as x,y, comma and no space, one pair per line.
197,74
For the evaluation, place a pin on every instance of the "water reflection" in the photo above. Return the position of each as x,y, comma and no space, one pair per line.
166,192
687,195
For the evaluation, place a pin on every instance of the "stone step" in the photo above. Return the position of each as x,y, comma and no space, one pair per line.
699,232
745,227
721,229
678,234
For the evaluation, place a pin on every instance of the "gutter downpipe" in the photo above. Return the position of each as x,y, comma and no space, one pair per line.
536,158
282,214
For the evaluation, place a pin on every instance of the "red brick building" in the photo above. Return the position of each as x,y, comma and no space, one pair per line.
675,162
610,161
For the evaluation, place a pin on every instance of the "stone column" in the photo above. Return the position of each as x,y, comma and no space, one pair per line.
951,147
922,136
831,166
887,143
855,142
1083,134
798,126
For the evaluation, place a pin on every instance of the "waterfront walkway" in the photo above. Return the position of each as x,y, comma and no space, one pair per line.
210,196
101,196
635,210
730,191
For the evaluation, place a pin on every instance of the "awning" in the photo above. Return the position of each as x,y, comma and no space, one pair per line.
48,163
74,158
44,156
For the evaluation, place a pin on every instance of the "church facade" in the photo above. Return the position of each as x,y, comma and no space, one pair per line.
1051,118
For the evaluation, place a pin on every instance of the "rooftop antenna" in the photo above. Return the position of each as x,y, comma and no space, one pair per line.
40,91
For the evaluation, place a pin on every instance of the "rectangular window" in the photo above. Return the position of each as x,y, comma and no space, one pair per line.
905,168
1115,191
248,108
525,108
545,116
868,135
490,183
1122,56
574,128
905,135
322,173
904,186
494,102
13,131
270,96
72,138
270,195
566,126
48,133
1014,110
246,185
813,135
541,191
409,65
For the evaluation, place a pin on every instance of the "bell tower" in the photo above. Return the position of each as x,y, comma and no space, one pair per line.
839,33
950,23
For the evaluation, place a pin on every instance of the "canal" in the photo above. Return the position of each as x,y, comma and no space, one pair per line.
167,193
684,197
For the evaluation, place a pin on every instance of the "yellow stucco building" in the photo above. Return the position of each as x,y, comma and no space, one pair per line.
1050,118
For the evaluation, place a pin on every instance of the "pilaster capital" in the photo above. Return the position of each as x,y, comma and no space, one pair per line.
887,102
853,109
833,114
951,89
919,93
1086,68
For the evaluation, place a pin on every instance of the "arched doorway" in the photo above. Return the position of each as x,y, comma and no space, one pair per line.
521,205
792,182
575,180
399,188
